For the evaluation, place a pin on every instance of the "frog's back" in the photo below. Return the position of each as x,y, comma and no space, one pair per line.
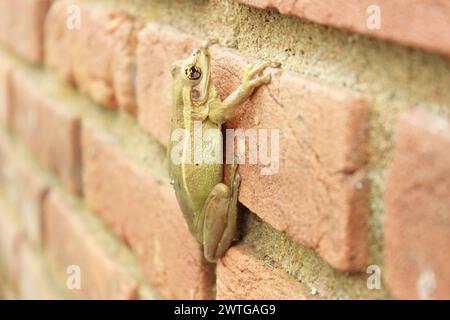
194,181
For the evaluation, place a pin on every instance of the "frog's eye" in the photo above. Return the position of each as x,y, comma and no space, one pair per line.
192,72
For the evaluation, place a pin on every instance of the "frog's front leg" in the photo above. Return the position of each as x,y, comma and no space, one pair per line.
219,217
224,111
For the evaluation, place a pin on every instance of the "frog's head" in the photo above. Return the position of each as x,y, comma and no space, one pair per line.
191,70
195,69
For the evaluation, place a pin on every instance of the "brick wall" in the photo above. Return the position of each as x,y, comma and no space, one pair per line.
359,208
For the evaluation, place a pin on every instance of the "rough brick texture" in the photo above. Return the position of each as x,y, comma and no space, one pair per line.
70,242
49,128
143,210
417,222
99,56
242,275
318,196
21,27
405,21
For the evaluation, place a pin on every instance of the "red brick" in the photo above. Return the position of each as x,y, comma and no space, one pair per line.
5,90
69,241
23,186
141,208
241,275
21,27
418,23
35,280
417,218
11,237
98,57
49,128
319,195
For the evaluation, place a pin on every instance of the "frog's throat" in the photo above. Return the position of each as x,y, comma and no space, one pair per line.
192,109
203,88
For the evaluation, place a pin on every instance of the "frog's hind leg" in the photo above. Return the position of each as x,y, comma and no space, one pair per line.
230,231
220,218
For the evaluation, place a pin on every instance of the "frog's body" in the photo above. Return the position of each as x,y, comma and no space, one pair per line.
209,206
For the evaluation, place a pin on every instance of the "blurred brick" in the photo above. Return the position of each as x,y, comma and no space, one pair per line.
35,278
319,196
23,186
49,128
11,237
419,23
242,276
5,90
417,218
70,242
142,209
99,56
7,292
21,27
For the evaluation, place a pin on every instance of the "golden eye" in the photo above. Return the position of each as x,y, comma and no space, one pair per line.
192,72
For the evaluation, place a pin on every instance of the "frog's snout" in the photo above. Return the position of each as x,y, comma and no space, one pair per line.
208,43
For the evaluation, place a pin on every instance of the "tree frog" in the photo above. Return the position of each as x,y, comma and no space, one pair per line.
208,204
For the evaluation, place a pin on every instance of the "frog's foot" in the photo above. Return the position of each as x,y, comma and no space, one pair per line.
251,79
220,219
222,112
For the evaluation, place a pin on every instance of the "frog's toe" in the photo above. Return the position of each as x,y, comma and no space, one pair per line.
275,64
258,68
266,79
236,181
247,72
260,81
